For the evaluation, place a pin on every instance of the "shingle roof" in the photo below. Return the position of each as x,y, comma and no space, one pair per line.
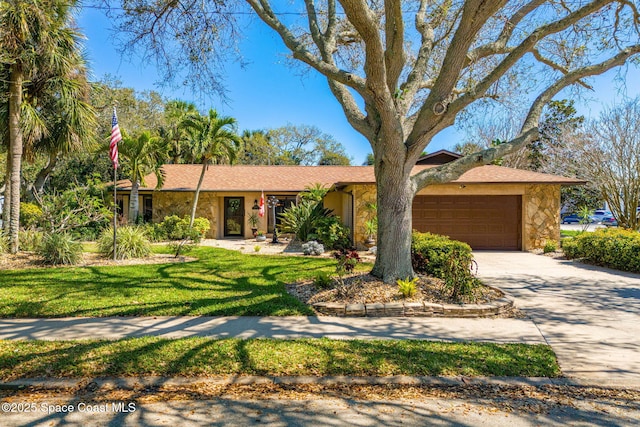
295,178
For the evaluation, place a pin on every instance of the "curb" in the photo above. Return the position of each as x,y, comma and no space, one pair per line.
132,383
417,309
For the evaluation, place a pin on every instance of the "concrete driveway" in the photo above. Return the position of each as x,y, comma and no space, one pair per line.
589,315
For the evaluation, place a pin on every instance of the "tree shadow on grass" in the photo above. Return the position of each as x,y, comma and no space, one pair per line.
228,287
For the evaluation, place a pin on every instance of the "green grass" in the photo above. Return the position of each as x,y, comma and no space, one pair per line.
220,282
317,357
570,233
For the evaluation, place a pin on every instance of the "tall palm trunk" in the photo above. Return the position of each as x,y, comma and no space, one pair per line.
6,208
197,195
15,153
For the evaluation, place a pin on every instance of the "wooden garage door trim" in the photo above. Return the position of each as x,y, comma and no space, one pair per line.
485,222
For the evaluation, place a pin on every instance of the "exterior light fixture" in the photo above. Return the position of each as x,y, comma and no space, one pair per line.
272,202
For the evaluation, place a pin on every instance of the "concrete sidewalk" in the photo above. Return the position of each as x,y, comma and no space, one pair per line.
441,329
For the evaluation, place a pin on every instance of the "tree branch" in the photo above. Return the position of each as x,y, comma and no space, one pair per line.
518,52
365,21
454,170
394,55
557,67
413,82
573,77
300,52
499,46
475,13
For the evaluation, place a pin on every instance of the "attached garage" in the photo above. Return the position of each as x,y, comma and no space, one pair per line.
484,222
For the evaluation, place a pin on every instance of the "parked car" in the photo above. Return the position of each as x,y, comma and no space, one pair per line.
609,221
572,219
599,215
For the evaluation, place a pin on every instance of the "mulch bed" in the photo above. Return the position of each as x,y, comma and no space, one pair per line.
367,289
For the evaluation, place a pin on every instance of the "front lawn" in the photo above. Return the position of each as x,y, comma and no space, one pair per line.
220,283
267,357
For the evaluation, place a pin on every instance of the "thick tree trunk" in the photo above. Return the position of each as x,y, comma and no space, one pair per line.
395,200
15,153
134,205
197,195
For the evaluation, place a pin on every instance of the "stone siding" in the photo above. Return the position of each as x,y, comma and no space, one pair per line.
541,216
179,203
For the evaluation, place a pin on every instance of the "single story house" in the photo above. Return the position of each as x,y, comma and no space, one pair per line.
489,207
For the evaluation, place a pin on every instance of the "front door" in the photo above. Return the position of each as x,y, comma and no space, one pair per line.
233,216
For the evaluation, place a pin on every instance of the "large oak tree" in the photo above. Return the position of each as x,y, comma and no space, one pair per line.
403,71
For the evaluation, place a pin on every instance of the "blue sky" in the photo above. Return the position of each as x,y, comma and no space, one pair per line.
267,93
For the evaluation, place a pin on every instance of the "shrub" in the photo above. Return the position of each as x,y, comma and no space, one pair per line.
457,275
60,248
302,219
615,248
154,232
312,248
347,261
30,240
175,228
550,246
570,247
201,225
323,281
30,215
131,243
408,287
257,248
170,227
429,252
332,233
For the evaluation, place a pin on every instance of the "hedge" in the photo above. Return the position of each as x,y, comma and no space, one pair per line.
429,252
615,248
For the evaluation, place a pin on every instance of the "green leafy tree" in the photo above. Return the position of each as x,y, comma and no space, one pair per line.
37,40
74,208
213,139
172,133
256,148
141,156
305,145
403,72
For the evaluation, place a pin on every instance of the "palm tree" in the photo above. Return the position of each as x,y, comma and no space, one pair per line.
61,103
32,40
141,156
172,132
213,139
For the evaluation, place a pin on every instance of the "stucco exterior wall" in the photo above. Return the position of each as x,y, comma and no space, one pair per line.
363,195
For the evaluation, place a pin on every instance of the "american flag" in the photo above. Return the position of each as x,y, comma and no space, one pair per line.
115,138
261,210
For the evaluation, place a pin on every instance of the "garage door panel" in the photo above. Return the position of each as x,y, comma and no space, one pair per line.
485,222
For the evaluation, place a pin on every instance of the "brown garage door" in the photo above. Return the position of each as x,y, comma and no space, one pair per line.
484,222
